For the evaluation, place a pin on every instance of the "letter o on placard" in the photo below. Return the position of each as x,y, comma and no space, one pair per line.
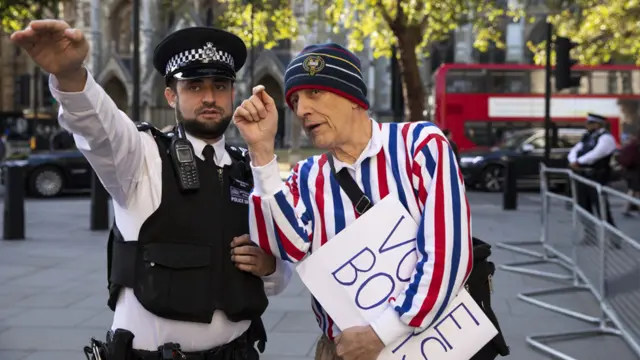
382,298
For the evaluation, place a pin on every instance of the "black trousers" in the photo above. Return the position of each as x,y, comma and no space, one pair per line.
588,199
119,347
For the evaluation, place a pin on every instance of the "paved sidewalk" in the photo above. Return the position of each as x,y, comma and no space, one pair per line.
53,289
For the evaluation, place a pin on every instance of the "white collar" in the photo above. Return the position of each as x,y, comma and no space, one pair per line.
372,149
221,157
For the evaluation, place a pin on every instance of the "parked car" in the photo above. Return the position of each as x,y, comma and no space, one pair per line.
485,168
50,173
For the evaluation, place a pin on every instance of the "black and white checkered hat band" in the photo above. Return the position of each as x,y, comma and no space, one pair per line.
206,54
595,118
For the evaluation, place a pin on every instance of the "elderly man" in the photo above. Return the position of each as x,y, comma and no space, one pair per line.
412,161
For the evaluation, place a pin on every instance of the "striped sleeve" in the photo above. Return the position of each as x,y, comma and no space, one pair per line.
277,215
443,241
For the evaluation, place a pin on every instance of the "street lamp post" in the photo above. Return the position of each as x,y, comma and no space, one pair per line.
99,212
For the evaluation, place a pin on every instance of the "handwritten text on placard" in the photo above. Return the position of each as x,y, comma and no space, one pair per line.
370,262
380,282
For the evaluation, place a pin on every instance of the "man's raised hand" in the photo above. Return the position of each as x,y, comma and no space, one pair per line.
257,121
54,46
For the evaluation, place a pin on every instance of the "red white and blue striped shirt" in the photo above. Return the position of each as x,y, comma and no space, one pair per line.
412,161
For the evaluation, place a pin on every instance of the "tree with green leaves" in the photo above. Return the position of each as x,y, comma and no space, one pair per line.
604,30
16,14
408,25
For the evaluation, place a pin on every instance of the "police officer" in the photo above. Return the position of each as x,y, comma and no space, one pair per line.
185,281
591,158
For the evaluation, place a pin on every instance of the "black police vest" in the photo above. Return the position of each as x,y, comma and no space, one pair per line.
180,268
600,170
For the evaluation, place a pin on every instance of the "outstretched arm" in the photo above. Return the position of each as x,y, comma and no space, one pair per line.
103,133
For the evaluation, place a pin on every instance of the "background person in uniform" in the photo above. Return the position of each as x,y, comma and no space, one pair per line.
175,285
413,161
591,158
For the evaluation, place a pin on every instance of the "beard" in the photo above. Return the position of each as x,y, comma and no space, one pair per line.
209,130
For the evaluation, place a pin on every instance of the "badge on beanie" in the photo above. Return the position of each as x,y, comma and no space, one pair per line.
313,64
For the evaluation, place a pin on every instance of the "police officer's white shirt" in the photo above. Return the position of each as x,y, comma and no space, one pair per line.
605,146
129,164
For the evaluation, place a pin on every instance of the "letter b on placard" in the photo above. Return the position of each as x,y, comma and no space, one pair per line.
371,287
362,262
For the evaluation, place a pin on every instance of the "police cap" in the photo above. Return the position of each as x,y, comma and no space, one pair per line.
198,52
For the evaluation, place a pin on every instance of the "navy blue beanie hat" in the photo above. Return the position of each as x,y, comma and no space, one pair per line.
329,67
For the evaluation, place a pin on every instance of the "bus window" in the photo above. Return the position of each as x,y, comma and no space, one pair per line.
509,81
625,82
467,81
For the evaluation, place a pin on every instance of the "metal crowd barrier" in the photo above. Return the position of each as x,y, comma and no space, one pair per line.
602,259
549,254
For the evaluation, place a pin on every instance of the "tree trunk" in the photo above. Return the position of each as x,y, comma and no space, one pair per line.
412,87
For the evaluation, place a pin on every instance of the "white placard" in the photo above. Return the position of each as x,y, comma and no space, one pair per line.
354,275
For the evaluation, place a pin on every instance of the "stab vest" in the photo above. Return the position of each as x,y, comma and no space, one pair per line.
180,267
600,170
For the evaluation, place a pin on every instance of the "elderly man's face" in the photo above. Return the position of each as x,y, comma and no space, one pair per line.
325,116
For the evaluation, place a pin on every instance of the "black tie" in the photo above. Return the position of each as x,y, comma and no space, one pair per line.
209,154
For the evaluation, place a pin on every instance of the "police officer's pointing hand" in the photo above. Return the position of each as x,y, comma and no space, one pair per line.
251,258
53,45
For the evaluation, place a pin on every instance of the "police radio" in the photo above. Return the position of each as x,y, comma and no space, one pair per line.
184,161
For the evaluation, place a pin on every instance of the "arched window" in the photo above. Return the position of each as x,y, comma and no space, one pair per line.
121,27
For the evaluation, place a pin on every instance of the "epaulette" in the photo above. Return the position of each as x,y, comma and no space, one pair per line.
145,126
238,153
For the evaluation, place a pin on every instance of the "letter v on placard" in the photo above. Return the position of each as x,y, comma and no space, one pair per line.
384,248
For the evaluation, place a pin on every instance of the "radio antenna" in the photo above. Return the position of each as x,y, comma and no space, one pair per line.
179,127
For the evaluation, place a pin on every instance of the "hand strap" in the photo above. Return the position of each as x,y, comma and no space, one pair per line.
350,187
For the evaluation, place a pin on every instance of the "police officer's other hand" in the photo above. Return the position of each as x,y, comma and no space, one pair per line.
574,165
53,45
358,342
257,120
249,257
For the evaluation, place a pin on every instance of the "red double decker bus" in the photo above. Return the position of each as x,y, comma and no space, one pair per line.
481,103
